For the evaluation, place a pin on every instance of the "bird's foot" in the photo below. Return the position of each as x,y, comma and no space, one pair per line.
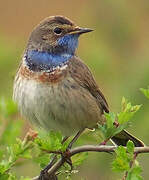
66,157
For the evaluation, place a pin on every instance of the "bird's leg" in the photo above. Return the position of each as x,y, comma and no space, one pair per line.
44,172
64,139
75,139
66,154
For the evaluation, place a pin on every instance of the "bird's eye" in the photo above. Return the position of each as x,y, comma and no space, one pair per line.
58,30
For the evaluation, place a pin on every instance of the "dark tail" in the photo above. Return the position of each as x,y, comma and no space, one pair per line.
123,137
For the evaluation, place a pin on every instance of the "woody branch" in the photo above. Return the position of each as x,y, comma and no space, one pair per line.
89,148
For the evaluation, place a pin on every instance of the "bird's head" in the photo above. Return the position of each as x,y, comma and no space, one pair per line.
56,34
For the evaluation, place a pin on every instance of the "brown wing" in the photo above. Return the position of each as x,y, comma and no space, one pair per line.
81,73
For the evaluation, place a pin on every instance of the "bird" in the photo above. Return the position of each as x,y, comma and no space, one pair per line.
54,89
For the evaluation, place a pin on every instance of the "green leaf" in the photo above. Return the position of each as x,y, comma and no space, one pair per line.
110,118
4,166
145,92
134,173
121,163
20,150
127,111
123,118
15,151
124,157
8,176
49,140
108,129
130,147
43,159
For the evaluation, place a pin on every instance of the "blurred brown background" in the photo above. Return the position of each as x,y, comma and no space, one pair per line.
117,53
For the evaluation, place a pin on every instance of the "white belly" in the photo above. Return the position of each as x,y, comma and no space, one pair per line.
63,106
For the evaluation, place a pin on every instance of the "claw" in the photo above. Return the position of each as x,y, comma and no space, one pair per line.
67,159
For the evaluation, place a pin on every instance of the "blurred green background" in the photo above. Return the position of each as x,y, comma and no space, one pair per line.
116,52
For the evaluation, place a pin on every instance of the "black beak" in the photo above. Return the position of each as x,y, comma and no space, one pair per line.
79,30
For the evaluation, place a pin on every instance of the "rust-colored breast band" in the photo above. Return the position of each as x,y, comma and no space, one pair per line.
44,77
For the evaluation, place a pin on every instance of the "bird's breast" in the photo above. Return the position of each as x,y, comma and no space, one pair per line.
44,77
55,102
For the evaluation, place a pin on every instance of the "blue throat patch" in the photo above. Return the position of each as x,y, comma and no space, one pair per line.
69,42
46,61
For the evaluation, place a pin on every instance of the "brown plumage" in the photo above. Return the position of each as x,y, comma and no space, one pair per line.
81,73
53,88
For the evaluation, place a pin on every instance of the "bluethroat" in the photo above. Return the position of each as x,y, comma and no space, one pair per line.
53,88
